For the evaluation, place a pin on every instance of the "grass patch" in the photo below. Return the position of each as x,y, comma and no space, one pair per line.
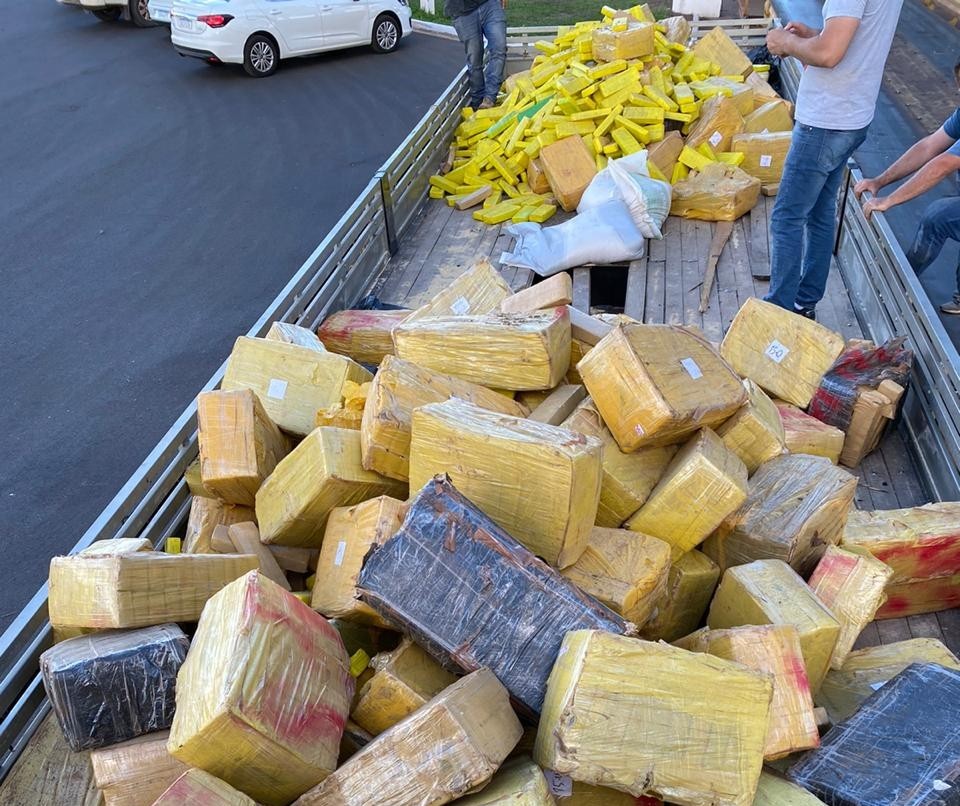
541,12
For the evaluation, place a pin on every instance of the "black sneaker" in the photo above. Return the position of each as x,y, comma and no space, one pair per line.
808,313
952,307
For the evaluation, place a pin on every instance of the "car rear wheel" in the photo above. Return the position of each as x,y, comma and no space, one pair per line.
139,13
260,56
386,34
110,14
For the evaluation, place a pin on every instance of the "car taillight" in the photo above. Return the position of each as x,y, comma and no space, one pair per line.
215,20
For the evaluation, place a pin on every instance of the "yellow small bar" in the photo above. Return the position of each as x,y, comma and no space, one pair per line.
172,545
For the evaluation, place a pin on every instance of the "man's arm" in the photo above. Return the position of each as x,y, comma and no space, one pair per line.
824,49
918,155
924,179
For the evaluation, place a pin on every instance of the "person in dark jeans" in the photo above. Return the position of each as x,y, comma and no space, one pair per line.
931,159
473,21
836,101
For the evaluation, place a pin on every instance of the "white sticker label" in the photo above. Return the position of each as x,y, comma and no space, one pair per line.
560,785
277,389
876,686
941,786
765,160
715,139
765,131
691,367
776,351
460,306
341,550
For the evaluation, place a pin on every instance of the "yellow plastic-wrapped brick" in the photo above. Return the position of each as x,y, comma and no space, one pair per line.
539,482
400,387
922,546
648,718
501,351
772,116
294,334
703,484
677,29
518,783
137,772
292,382
350,533
634,42
568,792
440,752
139,589
786,354
764,154
264,693
199,788
866,670
628,478
349,412
776,791
719,192
850,583
719,121
194,480
115,547
206,514
323,472
771,592
806,434
755,432
364,336
773,650
719,48
624,570
239,444
796,506
403,680
569,168
690,586
477,291
656,384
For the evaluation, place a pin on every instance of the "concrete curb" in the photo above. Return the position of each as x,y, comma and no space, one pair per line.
435,29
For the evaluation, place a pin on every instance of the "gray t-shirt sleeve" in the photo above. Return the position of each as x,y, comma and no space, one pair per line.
844,8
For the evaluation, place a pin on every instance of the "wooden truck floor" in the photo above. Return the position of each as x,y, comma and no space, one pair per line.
665,287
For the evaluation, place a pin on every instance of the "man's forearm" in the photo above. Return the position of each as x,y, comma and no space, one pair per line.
922,180
811,51
914,158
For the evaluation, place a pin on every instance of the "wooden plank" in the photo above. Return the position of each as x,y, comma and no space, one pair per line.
408,263
451,256
903,473
721,234
691,272
893,629
759,241
868,637
743,259
673,273
727,299
554,291
523,279
653,309
877,478
581,290
925,625
634,302
950,626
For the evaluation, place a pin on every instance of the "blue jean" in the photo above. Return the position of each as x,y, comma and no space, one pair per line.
941,220
488,20
803,223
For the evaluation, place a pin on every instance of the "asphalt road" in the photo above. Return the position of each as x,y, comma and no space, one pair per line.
151,207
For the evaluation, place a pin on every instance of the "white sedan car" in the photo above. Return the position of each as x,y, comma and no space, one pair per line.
258,33
111,10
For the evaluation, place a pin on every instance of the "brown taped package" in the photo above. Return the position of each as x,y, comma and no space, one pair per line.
703,484
294,334
628,478
719,48
717,193
350,533
763,154
656,384
806,434
323,472
771,116
690,585
500,351
719,121
292,382
540,483
135,773
755,432
773,650
664,153
635,42
623,570
536,178
440,752
364,336
199,788
206,514
796,506
400,387
569,167
239,444
785,354
479,290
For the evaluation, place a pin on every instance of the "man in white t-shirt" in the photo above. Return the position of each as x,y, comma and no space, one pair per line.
843,67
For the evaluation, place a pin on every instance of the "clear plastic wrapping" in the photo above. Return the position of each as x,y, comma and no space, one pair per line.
764,154
440,752
400,387
719,192
656,384
806,434
690,586
289,333
718,122
796,506
850,584
113,686
364,336
479,290
901,747
264,694
517,783
755,432
198,788
649,718
539,482
703,484
776,791
472,596
206,514
137,772
501,351
634,42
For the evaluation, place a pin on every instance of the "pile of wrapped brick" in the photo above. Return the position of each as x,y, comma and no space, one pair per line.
496,551
710,122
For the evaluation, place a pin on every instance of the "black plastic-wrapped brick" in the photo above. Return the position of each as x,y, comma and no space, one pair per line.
901,748
472,596
112,686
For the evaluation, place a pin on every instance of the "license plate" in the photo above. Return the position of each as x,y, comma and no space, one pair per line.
183,23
